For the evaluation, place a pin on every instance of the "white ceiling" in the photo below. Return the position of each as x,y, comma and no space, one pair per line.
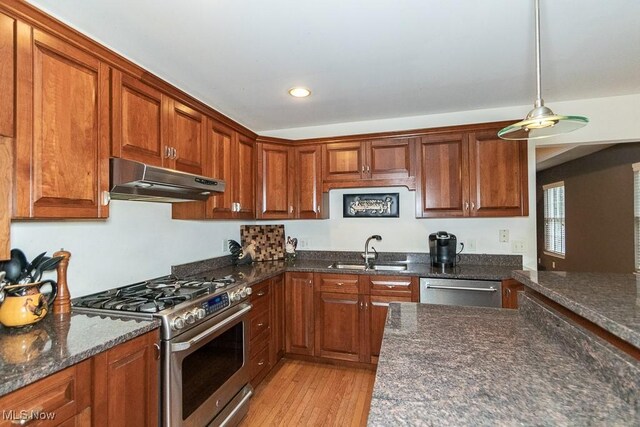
368,59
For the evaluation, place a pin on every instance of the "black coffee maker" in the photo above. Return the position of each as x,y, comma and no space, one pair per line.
442,249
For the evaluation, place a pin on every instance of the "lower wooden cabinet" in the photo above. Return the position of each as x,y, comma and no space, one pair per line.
510,289
342,317
299,313
117,387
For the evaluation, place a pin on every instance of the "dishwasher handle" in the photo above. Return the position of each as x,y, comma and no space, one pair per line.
461,288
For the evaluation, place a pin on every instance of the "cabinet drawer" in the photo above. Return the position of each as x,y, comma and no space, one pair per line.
261,296
259,364
340,283
259,342
259,322
64,394
391,285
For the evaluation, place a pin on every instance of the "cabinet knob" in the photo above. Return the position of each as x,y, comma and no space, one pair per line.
106,198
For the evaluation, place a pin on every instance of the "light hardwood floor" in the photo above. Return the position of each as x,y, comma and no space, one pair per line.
297,393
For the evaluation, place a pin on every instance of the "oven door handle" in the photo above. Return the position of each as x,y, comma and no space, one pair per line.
182,346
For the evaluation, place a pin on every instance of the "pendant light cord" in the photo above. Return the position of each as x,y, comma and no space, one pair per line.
539,101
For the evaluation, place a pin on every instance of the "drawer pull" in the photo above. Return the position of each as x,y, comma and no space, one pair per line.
260,325
24,421
260,363
261,294
339,283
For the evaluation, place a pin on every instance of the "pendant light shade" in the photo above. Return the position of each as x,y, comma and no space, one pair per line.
541,122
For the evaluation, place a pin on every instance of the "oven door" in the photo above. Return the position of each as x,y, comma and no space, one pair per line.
205,367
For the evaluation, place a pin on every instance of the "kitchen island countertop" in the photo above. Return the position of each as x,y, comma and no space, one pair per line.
446,365
32,353
611,301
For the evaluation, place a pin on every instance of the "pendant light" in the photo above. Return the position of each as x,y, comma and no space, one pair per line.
541,122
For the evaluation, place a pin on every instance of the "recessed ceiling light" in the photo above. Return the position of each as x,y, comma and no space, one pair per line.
299,92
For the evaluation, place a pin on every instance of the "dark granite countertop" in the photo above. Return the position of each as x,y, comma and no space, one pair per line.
611,301
32,353
445,365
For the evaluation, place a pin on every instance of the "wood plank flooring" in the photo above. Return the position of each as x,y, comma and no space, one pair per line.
297,393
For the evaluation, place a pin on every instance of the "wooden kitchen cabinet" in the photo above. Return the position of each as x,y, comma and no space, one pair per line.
138,121
510,289
289,182
7,128
350,313
229,156
126,383
62,141
186,131
463,174
299,313
381,162
278,348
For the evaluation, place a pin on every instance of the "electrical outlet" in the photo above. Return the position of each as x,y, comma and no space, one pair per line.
470,245
518,246
504,236
303,242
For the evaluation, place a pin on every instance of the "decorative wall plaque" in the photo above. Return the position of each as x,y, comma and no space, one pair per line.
371,205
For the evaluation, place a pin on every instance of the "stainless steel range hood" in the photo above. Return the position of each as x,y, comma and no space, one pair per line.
137,181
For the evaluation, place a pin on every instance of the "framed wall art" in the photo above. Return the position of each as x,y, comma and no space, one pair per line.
381,205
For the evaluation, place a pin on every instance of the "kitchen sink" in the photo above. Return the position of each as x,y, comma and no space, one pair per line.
379,267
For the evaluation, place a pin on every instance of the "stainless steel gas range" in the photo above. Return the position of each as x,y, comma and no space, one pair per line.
205,343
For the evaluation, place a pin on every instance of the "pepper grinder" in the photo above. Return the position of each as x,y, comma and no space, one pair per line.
62,303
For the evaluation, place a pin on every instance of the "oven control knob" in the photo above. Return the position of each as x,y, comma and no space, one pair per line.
177,323
200,313
243,293
249,291
190,318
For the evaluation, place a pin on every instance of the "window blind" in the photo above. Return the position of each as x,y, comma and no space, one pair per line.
554,218
636,210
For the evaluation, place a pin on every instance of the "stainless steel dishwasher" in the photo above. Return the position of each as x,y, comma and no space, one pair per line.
481,293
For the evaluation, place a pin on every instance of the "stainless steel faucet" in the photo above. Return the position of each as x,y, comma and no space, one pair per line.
370,258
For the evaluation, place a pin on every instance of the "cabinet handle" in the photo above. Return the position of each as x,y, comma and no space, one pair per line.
106,198
24,421
167,151
260,325
368,169
318,209
507,292
260,294
360,305
175,153
156,347
260,363
366,305
239,207
290,209
362,168
466,206
473,206
339,283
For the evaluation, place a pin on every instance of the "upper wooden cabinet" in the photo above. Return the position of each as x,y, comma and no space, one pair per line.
138,120
186,131
229,156
288,182
498,180
7,128
471,174
382,162
62,145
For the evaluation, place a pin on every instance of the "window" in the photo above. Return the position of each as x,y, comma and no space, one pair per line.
636,210
554,235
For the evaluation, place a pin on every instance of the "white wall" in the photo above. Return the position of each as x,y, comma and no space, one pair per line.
139,241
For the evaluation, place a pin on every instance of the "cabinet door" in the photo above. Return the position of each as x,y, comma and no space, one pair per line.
498,176
137,121
62,149
343,161
299,313
7,128
245,173
126,383
443,189
390,159
510,289
378,307
337,318
186,133
308,183
275,183
223,143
